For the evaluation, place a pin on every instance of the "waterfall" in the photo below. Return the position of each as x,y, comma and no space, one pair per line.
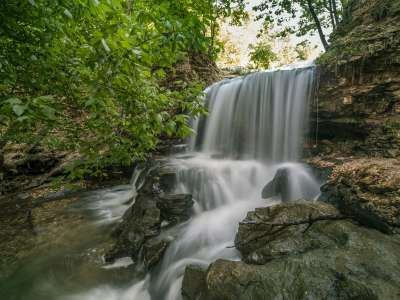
254,127
261,116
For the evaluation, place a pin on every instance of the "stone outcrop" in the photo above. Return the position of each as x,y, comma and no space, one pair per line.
356,116
358,107
304,250
142,234
280,230
368,190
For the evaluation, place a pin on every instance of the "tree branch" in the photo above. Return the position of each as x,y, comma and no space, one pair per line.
318,24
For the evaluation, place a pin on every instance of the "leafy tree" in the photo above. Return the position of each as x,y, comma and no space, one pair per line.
230,56
87,76
303,16
262,54
218,10
303,50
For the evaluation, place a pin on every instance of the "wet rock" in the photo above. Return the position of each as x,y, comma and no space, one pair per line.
167,178
175,208
144,221
279,185
153,251
194,282
154,211
178,149
141,222
305,250
368,190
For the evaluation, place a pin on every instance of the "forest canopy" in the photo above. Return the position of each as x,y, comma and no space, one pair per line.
302,17
88,76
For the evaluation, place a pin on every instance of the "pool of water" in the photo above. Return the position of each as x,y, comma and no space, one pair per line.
69,244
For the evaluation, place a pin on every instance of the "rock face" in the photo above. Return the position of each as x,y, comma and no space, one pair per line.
356,117
358,106
368,190
156,209
302,250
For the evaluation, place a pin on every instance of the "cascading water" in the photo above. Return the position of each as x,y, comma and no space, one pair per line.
261,116
255,126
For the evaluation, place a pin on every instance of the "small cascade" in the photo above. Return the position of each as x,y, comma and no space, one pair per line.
255,126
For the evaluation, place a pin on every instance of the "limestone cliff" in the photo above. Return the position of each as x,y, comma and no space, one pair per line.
358,105
356,116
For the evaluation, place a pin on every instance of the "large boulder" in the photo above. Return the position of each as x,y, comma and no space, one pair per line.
303,250
272,232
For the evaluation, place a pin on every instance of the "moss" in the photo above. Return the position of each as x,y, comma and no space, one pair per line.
392,128
386,9
326,58
336,54
380,12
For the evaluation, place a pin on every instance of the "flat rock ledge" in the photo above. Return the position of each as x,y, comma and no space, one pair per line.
301,250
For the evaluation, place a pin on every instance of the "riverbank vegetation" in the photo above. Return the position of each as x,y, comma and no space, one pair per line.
94,77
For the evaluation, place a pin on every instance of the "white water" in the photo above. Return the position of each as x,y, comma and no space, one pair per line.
255,126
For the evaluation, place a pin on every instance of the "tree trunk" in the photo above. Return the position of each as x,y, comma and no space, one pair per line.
212,38
335,11
331,14
212,27
318,24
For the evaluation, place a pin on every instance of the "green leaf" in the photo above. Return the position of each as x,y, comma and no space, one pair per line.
23,118
68,14
19,109
170,128
49,112
14,101
90,102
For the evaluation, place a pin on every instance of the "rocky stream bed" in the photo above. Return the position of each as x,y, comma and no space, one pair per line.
343,245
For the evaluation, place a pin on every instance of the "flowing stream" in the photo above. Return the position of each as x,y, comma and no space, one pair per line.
255,126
